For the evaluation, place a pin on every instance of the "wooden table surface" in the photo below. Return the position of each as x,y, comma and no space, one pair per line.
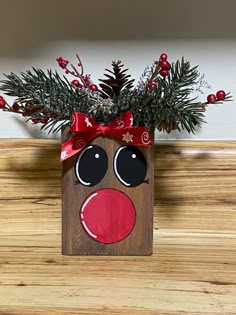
193,267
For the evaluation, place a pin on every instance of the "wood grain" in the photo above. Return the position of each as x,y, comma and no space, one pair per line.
192,269
74,239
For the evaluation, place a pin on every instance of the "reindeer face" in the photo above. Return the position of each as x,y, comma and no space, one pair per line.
107,199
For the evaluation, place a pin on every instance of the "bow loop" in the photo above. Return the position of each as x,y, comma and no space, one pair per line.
82,123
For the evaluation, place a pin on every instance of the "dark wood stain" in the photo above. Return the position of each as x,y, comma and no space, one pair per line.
74,239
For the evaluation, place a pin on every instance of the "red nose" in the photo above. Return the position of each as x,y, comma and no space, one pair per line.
107,215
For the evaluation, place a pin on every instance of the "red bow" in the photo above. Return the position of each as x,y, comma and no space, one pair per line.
88,129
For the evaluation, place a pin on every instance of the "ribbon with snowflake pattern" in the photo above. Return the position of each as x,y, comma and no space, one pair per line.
86,129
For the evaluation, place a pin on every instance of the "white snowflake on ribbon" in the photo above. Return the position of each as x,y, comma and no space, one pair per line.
64,155
88,123
120,124
127,137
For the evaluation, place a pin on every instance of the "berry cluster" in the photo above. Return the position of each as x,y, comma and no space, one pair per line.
62,62
162,68
152,84
84,81
86,84
220,96
28,110
163,65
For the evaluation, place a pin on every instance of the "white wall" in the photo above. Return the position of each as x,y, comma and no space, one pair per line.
34,33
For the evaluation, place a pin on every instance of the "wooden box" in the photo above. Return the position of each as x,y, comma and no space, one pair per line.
107,199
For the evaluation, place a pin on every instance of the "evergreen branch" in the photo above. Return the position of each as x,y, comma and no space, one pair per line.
170,105
57,96
162,98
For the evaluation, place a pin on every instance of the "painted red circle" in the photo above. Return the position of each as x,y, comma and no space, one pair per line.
107,215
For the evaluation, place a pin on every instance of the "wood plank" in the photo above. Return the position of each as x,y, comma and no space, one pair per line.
192,269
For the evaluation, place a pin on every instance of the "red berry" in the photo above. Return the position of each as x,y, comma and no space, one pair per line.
85,78
44,121
35,120
164,73
28,108
62,62
93,87
76,83
45,112
165,65
149,82
221,95
65,63
79,64
211,98
153,86
156,62
163,56
2,102
86,84
16,107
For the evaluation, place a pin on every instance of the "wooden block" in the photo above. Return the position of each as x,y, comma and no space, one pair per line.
107,199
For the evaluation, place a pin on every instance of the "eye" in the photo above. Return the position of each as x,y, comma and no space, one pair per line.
130,166
91,165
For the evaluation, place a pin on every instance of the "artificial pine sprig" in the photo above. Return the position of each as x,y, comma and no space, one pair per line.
162,98
45,97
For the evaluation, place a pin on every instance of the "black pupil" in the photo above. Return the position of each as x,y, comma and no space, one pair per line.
130,166
91,165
